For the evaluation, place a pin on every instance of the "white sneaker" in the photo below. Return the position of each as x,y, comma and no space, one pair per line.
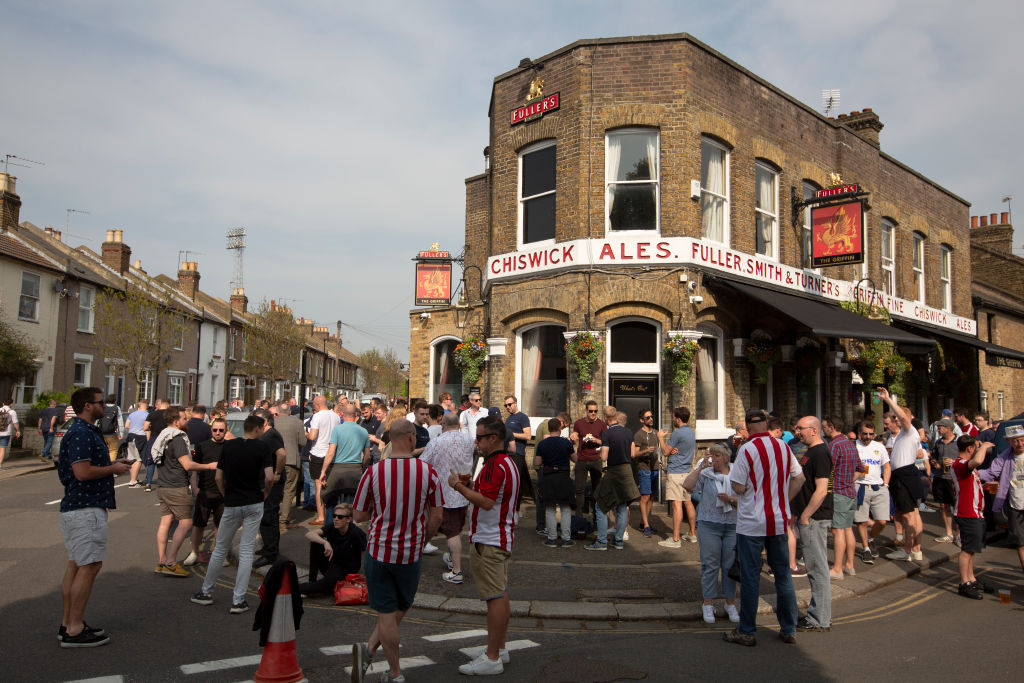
669,543
482,666
429,548
452,577
709,613
944,539
625,535
734,615
447,559
191,559
917,555
503,656
691,538
899,555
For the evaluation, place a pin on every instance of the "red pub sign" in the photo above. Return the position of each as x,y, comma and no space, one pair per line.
838,234
534,109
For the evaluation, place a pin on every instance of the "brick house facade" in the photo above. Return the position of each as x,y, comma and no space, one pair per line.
691,113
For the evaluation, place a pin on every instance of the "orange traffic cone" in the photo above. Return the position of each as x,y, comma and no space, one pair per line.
279,663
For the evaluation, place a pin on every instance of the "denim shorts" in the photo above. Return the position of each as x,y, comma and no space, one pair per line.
5,441
392,587
648,481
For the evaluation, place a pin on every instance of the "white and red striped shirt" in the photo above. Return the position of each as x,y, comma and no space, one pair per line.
970,496
397,492
499,481
970,429
765,466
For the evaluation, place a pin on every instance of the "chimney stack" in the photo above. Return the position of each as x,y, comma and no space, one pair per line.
116,254
866,123
188,279
11,203
239,301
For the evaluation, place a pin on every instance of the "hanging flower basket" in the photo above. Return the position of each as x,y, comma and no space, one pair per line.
680,352
880,364
583,351
762,353
469,356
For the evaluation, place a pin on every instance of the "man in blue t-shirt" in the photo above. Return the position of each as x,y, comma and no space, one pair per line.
87,474
47,425
679,450
517,430
347,454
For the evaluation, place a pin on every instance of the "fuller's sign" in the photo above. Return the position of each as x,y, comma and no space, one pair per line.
838,234
433,283
707,255
534,109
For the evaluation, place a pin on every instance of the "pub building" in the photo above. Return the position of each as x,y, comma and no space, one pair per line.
646,188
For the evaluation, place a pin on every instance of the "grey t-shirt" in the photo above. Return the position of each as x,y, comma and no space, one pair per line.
685,440
945,450
170,473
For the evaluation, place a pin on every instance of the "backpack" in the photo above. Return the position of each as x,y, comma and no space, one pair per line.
108,423
5,419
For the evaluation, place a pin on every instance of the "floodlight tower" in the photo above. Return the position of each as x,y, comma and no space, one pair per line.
236,242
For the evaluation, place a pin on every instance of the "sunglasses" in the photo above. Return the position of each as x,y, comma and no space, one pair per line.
509,405
591,411
475,400
484,436
218,431
342,516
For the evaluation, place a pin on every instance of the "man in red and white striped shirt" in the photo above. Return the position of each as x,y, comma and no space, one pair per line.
765,476
491,533
401,498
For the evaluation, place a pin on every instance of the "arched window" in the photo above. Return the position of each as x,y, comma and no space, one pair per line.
542,371
634,341
444,374
709,379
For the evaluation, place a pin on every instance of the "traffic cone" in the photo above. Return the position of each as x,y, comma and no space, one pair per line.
279,663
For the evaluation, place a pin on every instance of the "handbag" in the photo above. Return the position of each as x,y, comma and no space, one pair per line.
351,591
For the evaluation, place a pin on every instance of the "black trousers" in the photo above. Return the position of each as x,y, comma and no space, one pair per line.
318,564
270,525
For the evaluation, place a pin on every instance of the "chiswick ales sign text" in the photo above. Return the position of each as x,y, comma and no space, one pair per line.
687,251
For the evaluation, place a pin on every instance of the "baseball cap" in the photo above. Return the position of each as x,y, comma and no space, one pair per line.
947,413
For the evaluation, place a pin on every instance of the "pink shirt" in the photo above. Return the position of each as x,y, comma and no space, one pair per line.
397,492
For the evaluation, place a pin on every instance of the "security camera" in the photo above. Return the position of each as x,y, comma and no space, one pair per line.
692,284
696,299
424,316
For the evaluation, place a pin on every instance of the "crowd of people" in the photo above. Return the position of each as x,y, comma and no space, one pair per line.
392,476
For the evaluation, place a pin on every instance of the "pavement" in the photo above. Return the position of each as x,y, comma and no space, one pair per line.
642,582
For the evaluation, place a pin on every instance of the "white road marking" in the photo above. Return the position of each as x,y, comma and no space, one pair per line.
337,650
404,663
457,635
220,664
476,651
101,679
54,502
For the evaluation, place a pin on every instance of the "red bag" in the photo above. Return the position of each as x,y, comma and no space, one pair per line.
351,591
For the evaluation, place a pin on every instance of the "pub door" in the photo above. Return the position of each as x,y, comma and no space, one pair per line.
633,393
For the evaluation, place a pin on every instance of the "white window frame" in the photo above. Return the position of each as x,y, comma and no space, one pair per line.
433,352
34,297
632,368
917,265
24,383
984,400
946,276
86,306
236,387
888,265
85,361
146,383
521,200
656,181
714,429
231,343
175,385
999,398
278,391
773,173
534,419
725,207
179,343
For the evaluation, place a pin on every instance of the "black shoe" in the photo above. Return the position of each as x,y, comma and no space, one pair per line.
806,624
734,636
969,590
983,587
202,598
85,627
239,607
788,638
866,557
84,639
550,543
262,561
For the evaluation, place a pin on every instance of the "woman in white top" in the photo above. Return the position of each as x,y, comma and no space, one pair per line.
11,428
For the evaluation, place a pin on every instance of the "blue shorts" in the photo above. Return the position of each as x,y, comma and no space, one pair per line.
5,441
392,587
649,482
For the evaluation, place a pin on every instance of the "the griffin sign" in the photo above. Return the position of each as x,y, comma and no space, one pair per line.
838,234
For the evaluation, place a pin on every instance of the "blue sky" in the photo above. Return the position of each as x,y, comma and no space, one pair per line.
339,134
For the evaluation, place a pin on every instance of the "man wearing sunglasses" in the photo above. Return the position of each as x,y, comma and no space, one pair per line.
335,551
209,501
472,415
491,534
586,434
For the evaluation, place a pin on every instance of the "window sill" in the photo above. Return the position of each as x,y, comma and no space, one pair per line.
712,432
28,320
86,331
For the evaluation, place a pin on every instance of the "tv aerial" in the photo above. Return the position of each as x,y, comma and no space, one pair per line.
830,101
8,162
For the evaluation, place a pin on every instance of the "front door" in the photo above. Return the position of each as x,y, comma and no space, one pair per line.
633,393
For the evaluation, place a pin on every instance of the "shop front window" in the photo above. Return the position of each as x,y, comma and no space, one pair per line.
445,376
543,373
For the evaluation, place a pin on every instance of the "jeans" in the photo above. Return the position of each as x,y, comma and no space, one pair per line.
748,550
717,554
47,445
551,518
308,487
621,517
270,525
150,471
249,517
815,541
